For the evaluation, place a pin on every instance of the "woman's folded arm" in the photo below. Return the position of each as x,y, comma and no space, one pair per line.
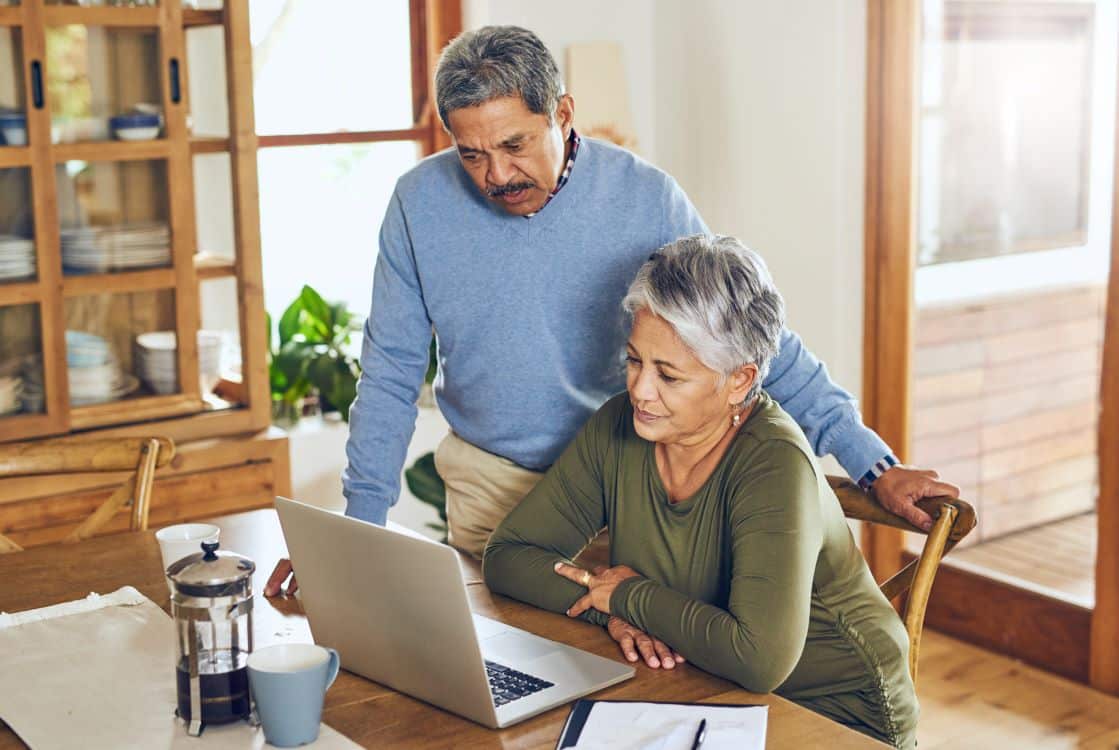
776,538
554,522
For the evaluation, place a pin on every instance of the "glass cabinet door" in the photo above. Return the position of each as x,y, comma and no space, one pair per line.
123,362
13,114
120,300
17,227
31,402
22,389
113,216
103,83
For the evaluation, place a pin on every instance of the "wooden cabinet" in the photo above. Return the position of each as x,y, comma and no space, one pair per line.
116,316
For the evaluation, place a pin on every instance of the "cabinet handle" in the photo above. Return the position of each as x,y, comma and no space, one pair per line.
37,84
176,89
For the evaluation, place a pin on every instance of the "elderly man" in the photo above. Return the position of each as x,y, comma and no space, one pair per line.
517,246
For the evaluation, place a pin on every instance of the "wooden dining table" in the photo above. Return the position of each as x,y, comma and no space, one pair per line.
366,712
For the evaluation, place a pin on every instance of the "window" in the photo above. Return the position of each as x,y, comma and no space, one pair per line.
336,131
1006,123
1015,145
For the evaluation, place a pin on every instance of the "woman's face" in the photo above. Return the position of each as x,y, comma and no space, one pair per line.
675,397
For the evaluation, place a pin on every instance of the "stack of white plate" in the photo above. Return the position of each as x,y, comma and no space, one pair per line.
157,359
17,257
11,394
99,249
95,377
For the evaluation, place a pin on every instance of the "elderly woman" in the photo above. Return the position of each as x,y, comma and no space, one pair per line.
728,547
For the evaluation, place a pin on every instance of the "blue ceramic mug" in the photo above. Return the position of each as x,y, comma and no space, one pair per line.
288,683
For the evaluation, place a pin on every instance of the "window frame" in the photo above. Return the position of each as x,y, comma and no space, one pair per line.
432,23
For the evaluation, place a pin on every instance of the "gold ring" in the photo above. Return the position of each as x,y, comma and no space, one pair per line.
586,578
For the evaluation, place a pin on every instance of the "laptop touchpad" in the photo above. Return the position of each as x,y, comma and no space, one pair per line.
514,646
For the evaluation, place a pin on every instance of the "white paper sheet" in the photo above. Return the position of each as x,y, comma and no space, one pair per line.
99,673
660,726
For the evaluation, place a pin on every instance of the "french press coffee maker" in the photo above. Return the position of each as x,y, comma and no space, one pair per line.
212,604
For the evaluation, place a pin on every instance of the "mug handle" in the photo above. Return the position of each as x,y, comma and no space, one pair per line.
332,668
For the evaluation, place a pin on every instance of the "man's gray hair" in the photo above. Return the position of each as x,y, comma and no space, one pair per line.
496,61
719,297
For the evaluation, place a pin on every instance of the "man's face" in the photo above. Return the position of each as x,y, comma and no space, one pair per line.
513,155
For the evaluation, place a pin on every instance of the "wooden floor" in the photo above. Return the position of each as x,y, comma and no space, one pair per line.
1057,559
971,698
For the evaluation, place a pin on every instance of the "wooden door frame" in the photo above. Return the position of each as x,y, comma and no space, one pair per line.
1105,615
893,44
889,231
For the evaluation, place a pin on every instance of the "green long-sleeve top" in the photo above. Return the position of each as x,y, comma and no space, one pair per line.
755,577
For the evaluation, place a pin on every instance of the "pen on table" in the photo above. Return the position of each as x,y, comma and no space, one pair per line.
700,734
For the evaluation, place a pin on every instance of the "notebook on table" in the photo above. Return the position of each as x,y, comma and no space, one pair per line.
637,725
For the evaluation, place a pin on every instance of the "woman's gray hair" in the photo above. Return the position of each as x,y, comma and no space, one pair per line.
496,61
719,297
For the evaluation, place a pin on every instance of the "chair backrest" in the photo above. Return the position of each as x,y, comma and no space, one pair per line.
953,519
139,455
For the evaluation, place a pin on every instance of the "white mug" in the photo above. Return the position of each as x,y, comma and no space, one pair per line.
180,540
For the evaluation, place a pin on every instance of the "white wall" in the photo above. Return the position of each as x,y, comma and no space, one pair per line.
630,23
760,118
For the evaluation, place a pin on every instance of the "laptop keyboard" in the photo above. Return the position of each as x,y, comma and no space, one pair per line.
508,684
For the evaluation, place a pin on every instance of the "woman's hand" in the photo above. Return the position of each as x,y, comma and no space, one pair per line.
601,583
631,640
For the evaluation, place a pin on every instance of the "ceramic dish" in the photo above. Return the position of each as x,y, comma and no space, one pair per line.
13,126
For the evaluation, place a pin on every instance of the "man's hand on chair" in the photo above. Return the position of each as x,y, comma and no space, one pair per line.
899,489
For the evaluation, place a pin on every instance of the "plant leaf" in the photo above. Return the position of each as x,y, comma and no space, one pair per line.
340,315
432,363
425,483
322,318
289,321
290,363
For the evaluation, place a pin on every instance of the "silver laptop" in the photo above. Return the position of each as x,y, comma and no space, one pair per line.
394,605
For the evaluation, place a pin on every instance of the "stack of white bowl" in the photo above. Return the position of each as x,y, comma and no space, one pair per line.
17,257
157,364
95,377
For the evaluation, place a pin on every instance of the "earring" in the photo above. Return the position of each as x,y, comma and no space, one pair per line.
737,417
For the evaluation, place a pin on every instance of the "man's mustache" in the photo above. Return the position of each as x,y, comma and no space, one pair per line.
512,187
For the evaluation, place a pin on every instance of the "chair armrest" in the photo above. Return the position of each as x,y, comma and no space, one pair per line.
861,505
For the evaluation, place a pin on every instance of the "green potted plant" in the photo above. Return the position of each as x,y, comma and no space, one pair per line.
309,356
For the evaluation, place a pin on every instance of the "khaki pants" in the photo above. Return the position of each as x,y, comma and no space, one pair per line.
481,490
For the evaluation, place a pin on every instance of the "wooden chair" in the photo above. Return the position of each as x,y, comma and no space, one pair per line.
953,519
142,456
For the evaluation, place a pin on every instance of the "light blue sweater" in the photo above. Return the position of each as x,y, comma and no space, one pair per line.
529,322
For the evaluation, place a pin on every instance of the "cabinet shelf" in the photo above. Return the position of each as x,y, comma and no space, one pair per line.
14,156
18,292
209,266
193,18
120,281
132,409
61,15
209,144
112,151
